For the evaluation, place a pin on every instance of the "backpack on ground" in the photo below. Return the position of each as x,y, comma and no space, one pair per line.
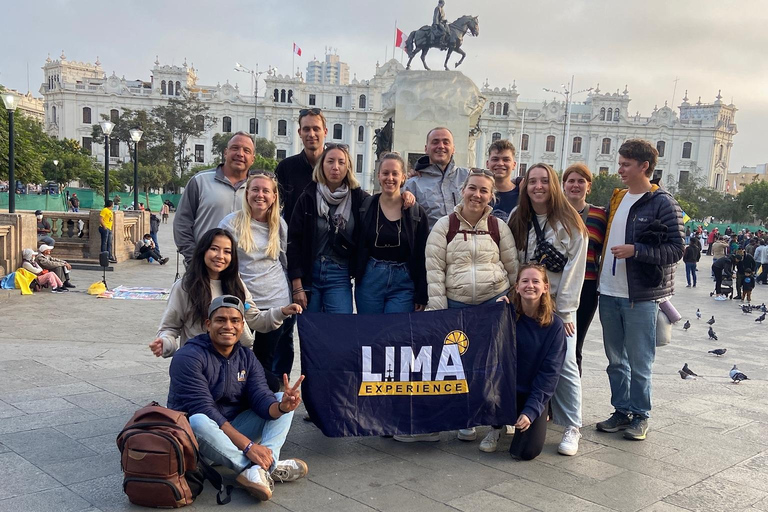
454,224
160,460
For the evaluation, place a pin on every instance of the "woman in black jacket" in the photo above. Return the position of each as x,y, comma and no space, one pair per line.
691,256
390,273
321,234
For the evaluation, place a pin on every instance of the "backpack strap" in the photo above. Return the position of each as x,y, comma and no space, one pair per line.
493,230
215,478
453,227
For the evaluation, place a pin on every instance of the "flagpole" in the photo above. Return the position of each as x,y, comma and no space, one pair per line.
293,59
395,45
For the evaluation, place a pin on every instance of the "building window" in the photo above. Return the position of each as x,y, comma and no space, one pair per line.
506,109
362,102
339,102
523,168
178,88
277,95
312,99
610,115
114,148
550,147
496,136
226,124
53,114
282,127
576,145
359,164
603,171
657,174
524,142
290,95
200,123
337,131
114,115
281,154
282,95
86,115
492,108
720,152
170,88
602,114
162,87
661,146
87,142
683,177
199,153
252,125
606,147
360,133
687,147
616,115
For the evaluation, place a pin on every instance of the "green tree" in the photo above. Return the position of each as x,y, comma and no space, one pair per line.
72,162
31,145
602,188
753,198
261,146
264,147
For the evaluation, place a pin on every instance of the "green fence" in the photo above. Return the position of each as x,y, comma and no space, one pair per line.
89,199
721,227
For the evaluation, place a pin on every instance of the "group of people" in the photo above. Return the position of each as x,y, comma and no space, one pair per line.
271,245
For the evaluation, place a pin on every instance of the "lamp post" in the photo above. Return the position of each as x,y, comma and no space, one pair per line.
10,104
568,94
106,127
255,75
136,137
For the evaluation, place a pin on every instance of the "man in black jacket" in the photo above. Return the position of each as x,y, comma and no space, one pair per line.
628,304
237,420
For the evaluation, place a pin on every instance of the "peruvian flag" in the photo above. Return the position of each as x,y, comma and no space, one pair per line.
296,50
400,39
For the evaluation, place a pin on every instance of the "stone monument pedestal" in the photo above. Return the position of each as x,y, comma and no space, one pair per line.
422,100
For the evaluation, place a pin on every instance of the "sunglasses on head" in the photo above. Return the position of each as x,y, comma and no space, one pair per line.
475,171
307,111
262,172
333,145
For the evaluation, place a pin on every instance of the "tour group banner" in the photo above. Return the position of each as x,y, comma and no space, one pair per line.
409,373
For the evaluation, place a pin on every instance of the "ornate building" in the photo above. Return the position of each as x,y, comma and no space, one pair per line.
28,105
694,142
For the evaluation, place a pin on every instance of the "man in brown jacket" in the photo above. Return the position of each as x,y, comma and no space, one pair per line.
58,266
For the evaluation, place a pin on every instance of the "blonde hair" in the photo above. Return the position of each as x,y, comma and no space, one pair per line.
318,176
545,311
243,218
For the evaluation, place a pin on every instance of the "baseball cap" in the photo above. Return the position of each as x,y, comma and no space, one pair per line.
226,301
45,247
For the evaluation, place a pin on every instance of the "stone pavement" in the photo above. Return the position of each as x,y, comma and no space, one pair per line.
74,368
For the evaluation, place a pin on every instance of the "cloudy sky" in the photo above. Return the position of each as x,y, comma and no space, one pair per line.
706,44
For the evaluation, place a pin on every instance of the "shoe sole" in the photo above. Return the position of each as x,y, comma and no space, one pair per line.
611,430
304,470
416,439
633,437
567,452
257,492
487,449
465,437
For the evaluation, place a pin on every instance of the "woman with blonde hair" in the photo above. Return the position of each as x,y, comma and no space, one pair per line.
540,354
262,236
549,230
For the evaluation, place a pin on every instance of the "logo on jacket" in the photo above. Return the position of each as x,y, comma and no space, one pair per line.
398,375
241,376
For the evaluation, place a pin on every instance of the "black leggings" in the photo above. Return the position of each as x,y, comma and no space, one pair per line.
529,444
718,279
585,314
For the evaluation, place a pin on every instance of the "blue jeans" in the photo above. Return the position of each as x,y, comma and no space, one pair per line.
106,241
566,401
331,290
154,239
216,446
629,339
455,304
386,287
690,270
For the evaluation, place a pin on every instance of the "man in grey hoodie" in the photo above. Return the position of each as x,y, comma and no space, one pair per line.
437,185
213,194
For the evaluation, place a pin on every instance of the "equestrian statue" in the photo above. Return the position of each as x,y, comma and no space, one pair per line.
441,35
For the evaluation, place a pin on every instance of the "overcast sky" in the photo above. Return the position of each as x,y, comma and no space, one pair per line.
708,45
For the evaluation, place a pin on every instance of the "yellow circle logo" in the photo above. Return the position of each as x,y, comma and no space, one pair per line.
458,338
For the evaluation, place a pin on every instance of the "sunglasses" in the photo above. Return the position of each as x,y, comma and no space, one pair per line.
475,171
309,111
333,145
262,172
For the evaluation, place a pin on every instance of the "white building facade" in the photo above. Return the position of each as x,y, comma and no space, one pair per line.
694,143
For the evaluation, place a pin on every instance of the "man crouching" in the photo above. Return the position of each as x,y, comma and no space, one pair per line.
239,423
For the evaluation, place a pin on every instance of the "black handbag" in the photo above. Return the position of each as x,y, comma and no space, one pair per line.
545,253
341,243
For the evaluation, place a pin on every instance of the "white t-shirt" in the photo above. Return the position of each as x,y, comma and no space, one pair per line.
613,276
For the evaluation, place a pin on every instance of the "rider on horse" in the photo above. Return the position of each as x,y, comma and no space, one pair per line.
440,31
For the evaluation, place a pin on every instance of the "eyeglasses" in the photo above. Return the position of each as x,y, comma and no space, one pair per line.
309,111
475,171
333,145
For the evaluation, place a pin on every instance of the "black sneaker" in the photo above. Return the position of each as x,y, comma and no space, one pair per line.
67,284
617,421
637,429
164,261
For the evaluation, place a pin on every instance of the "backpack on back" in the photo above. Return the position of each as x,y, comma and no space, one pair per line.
454,224
160,460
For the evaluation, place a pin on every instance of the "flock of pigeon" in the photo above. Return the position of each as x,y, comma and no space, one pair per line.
735,375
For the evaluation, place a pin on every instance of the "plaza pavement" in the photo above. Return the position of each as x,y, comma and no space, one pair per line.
74,368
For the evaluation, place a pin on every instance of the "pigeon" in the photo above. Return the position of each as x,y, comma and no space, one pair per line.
711,321
685,376
760,318
712,334
736,375
746,309
688,371
718,351
698,313
687,325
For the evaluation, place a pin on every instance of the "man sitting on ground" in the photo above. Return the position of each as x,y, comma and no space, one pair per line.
58,266
239,423
146,249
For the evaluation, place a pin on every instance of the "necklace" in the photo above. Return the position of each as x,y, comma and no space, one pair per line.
378,229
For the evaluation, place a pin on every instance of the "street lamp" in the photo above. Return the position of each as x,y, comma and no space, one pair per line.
568,94
10,104
106,127
136,134
255,75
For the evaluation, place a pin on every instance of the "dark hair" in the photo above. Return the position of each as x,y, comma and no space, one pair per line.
642,151
316,112
107,203
196,282
147,235
501,145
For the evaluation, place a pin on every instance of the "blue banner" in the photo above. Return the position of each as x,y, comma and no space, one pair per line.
409,373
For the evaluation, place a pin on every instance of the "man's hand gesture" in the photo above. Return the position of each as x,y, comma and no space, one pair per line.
291,395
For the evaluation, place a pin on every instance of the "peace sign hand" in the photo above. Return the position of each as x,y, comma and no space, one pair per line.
291,395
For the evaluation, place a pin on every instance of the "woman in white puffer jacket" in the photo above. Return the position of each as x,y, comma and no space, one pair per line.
479,264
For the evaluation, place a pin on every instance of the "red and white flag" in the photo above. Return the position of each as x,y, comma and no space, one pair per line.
400,39
296,50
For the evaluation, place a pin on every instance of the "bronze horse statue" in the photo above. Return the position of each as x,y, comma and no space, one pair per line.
421,40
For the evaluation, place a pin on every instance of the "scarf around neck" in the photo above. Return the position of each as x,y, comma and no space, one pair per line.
341,198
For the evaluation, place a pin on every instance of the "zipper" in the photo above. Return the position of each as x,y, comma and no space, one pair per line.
168,438
176,493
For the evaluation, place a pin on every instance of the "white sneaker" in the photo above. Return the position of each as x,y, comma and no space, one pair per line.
415,438
491,439
510,430
570,443
721,297
289,470
257,482
467,434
